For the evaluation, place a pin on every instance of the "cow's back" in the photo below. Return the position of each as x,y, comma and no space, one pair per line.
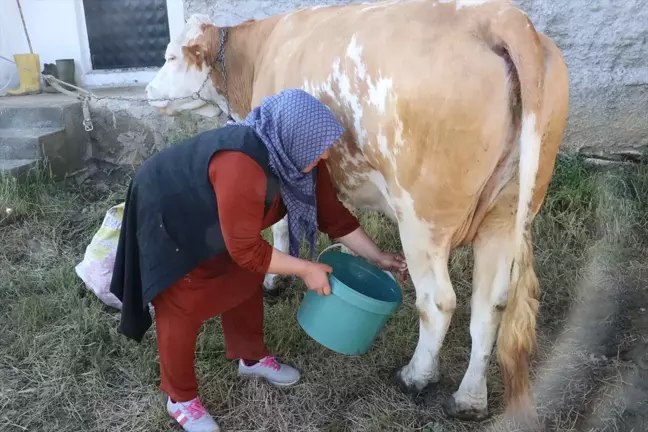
418,92
407,42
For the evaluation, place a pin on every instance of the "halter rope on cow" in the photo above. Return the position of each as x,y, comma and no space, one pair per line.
220,59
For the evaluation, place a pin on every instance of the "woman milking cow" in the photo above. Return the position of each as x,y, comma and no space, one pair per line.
191,242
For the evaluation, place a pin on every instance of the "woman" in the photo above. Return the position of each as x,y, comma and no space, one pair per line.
191,242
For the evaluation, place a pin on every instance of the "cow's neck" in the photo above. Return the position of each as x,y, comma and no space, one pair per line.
244,46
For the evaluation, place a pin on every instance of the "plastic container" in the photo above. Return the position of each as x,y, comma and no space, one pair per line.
362,299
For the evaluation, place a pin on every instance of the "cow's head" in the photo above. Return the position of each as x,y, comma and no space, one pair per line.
187,65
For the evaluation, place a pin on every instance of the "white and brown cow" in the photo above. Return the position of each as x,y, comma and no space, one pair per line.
454,112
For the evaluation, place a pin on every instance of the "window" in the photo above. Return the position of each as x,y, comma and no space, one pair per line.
126,33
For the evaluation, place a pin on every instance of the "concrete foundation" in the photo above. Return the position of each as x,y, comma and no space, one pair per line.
128,130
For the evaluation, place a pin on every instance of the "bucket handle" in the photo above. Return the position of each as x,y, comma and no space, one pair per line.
328,248
340,245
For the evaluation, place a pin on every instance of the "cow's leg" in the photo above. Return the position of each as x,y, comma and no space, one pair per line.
427,260
281,242
493,256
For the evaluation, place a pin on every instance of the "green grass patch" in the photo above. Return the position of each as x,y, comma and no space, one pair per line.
63,367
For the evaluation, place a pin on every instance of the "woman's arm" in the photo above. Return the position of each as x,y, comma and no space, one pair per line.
285,264
360,243
333,218
240,185
337,221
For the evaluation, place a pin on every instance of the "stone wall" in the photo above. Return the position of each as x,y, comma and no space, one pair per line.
127,130
605,44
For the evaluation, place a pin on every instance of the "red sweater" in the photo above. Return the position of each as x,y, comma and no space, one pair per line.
240,184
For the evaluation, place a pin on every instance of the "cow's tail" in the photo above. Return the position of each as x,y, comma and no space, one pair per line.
516,343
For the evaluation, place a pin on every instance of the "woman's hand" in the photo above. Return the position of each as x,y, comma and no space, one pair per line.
392,262
315,277
314,274
361,244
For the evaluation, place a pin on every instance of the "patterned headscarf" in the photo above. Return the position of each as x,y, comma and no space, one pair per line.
296,128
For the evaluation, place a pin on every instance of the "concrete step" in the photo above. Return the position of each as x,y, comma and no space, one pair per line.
31,117
18,168
30,143
46,127
26,112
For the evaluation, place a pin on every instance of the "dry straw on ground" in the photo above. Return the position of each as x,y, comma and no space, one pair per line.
63,367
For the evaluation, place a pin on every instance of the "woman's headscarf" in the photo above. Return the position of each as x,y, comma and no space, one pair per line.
296,128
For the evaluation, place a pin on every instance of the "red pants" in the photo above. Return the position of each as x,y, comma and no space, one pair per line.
180,311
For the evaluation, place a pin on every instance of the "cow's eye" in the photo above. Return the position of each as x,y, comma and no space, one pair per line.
171,58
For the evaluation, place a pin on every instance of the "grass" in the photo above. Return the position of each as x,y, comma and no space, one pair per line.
63,367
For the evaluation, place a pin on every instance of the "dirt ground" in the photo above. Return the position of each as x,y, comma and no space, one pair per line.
63,366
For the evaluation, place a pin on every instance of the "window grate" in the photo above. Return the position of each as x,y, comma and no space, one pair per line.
127,33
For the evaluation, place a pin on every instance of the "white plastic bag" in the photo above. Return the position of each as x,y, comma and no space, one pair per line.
96,268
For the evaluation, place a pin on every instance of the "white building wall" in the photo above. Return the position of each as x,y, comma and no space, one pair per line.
57,30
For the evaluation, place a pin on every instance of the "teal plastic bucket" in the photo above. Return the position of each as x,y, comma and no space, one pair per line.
362,299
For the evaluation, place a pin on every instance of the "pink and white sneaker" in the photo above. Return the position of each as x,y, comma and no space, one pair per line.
192,416
269,368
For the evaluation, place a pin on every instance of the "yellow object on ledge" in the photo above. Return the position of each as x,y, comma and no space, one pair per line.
29,74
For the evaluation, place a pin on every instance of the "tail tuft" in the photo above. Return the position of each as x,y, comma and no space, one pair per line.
516,342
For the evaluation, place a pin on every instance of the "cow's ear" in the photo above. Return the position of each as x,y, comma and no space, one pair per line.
194,55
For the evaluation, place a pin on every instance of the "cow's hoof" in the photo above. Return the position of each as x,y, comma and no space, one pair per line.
410,388
273,292
279,286
455,410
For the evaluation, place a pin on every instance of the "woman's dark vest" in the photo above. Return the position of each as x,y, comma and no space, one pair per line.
170,223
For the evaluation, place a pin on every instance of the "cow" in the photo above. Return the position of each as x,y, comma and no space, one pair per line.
454,113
